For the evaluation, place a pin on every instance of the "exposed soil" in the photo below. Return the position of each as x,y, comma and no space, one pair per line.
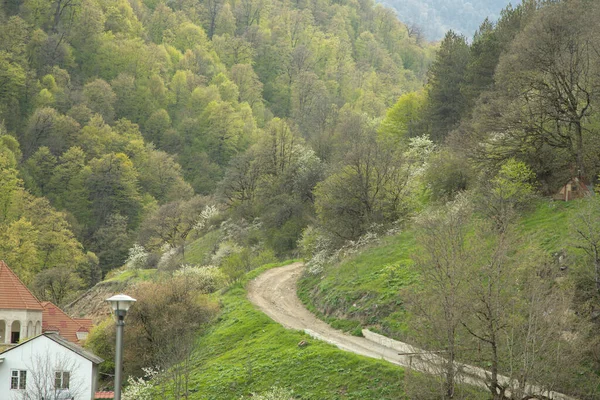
92,304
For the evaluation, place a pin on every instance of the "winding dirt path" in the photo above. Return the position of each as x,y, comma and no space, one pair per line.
274,293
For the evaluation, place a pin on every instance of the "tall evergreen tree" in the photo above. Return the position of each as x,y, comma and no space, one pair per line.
447,103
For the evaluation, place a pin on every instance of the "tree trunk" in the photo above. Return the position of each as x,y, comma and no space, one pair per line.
498,392
597,268
450,368
57,13
579,150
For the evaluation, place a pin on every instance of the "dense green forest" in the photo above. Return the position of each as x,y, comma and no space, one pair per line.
206,139
118,116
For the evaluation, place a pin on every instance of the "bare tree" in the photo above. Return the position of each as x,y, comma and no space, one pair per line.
163,329
548,85
416,31
52,377
440,304
586,226
489,297
238,187
248,12
544,342
64,11
372,185
176,361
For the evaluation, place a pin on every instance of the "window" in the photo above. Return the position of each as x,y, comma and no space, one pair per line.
18,379
61,379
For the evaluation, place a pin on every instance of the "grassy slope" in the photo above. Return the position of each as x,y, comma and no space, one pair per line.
132,275
363,290
245,352
198,251
549,224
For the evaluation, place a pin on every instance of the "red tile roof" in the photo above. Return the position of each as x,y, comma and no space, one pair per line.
104,395
13,293
85,323
54,319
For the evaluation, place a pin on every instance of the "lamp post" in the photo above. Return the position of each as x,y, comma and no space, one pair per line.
120,303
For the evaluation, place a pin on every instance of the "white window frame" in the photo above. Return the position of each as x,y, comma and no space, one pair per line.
21,379
59,377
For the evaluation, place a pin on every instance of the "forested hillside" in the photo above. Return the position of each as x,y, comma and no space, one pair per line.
116,117
432,18
489,269
202,140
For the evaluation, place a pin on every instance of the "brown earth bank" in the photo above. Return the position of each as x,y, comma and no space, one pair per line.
92,304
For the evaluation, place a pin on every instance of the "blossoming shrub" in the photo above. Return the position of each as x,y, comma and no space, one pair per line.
205,279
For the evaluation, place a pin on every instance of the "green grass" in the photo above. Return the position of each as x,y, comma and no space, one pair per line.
137,275
364,290
198,251
549,224
246,352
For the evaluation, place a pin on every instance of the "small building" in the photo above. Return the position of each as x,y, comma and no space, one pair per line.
48,366
575,188
20,311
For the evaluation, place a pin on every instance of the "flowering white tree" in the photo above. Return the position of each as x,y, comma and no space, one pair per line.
137,257
209,212
141,388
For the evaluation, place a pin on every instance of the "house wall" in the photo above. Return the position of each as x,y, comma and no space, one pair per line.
41,355
30,323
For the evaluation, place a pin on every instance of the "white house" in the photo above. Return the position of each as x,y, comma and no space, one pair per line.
48,367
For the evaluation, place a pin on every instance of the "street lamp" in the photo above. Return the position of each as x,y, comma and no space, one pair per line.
120,303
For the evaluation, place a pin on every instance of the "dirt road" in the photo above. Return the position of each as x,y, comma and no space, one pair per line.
274,293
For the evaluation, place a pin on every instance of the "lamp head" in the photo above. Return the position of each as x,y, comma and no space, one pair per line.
120,303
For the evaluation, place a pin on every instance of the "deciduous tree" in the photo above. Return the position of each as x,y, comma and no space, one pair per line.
172,223
440,304
112,185
546,87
